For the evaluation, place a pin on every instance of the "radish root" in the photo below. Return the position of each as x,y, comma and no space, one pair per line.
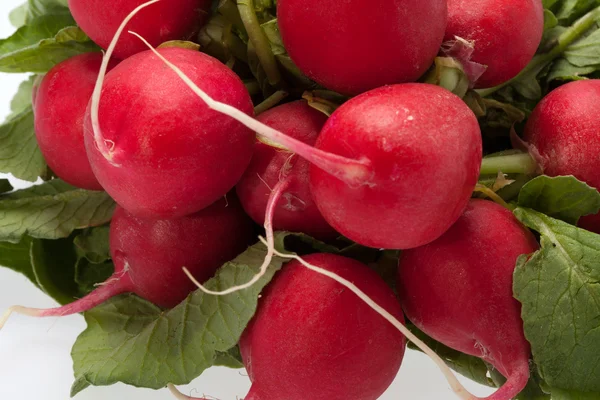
278,191
106,147
354,173
180,396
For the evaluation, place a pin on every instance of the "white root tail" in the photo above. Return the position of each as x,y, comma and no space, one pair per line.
276,194
180,396
106,147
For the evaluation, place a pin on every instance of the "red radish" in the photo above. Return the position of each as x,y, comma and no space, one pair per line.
167,20
458,290
564,135
322,333
296,212
60,102
506,34
149,255
424,147
355,46
160,151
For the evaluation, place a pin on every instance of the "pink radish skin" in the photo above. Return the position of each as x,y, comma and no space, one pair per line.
296,211
563,131
316,322
424,147
60,102
458,290
167,20
506,34
149,255
354,46
166,158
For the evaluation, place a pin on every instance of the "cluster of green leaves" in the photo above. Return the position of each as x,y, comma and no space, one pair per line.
57,235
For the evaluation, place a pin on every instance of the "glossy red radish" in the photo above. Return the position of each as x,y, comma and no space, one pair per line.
159,150
424,150
167,20
354,46
351,350
505,33
458,290
60,101
564,136
149,254
296,211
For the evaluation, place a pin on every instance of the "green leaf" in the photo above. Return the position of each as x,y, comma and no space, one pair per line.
18,15
16,256
132,341
584,52
559,394
550,20
37,8
21,101
5,186
41,44
88,275
230,359
565,71
562,197
93,244
19,151
559,289
570,10
52,210
53,263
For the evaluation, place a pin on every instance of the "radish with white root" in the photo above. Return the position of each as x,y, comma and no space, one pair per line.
59,108
270,166
155,147
168,20
148,256
458,290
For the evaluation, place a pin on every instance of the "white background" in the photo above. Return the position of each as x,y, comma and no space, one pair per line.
35,353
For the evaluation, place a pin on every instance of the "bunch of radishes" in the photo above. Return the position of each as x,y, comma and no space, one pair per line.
357,139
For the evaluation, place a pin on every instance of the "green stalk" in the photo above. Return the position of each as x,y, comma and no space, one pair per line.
521,163
270,102
259,41
562,43
230,11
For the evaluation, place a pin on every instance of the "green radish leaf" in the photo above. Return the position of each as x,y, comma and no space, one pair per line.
16,256
5,186
41,44
559,289
559,394
132,341
21,101
563,70
19,152
550,20
18,16
93,244
53,263
88,275
37,8
230,359
562,197
52,210
584,52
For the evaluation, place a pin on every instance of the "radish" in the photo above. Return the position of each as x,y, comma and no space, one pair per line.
564,137
296,212
59,103
168,20
355,46
158,150
458,290
329,344
424,150
148,256
506,34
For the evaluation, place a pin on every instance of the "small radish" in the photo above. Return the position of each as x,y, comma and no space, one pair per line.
355,46
60,102
424,150
160,152
505,34
313,339
296,211
564,136
167,20
149,254
458,290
